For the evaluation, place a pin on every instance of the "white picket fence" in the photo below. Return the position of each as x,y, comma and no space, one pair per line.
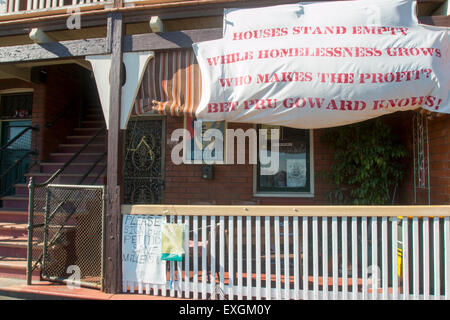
292,257
27,6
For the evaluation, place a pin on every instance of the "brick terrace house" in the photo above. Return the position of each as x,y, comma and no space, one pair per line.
51,112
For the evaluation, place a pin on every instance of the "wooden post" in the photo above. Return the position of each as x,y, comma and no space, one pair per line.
113,261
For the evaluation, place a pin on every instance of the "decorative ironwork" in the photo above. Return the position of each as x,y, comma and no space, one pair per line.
142,174
421,154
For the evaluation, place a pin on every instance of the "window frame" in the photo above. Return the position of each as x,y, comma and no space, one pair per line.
202,161
288,194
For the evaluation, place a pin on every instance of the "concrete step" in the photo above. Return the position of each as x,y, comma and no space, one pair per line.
15,267
85,131
15,202
93,109
93,123
82,139
12,229
13,215
68,178
81,168
21,189
13,247
92,112
94,117
83,157
74,147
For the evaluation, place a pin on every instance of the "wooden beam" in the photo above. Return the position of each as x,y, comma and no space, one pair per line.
169,40
15,72
83,63
185,39
53,50
439,21
39,36
141,14
289,211
52,23
113,263
156,24
13,84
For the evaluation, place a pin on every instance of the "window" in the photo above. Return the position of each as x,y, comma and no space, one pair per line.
294,174
198,148
16,106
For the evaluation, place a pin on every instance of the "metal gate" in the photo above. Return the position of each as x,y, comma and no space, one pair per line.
69,245
143,174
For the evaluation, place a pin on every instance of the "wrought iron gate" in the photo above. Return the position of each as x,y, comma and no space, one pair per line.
143,173
69,243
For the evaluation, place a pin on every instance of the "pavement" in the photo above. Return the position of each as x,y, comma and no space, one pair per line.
17,289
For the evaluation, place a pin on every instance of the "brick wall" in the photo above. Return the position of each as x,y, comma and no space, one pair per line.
439,135
62,89
231,183
439,140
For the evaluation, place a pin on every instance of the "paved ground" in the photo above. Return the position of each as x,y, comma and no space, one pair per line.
9,298
11,289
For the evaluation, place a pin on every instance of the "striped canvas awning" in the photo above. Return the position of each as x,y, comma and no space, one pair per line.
171,85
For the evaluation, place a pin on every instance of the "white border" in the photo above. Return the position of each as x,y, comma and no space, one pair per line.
189,161
281,194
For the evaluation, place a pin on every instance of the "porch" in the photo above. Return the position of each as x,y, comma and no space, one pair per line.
306,252
284,242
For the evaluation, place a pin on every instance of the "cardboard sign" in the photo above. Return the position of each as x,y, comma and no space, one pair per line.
141,249
304,71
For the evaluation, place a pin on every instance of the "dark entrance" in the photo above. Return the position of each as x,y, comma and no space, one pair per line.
15,140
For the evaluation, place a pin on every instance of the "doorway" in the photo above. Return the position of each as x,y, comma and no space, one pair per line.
15,139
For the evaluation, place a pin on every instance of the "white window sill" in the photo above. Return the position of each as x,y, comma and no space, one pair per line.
284,194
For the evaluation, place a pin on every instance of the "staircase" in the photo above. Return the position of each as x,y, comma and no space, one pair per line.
14,213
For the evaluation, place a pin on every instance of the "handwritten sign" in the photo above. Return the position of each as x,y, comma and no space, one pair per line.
141,249
303,71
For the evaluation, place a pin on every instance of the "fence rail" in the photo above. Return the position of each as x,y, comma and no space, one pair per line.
306,256
35,7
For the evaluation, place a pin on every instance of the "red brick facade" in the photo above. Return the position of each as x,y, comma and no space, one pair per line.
234,183
439,149
439,135
62,89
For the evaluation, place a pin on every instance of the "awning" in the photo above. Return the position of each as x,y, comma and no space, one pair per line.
171,85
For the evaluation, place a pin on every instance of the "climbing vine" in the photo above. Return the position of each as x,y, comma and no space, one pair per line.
367,164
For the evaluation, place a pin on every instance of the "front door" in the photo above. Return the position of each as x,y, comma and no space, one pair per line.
143,174
15,151
15,116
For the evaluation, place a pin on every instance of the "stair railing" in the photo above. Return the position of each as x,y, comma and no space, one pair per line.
67,112
32,186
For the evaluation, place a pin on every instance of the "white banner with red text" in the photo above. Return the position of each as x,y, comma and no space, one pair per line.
318,75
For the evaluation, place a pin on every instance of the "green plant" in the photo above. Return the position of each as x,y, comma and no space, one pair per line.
367,163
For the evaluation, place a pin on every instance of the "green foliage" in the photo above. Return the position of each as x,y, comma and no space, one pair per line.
367,163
